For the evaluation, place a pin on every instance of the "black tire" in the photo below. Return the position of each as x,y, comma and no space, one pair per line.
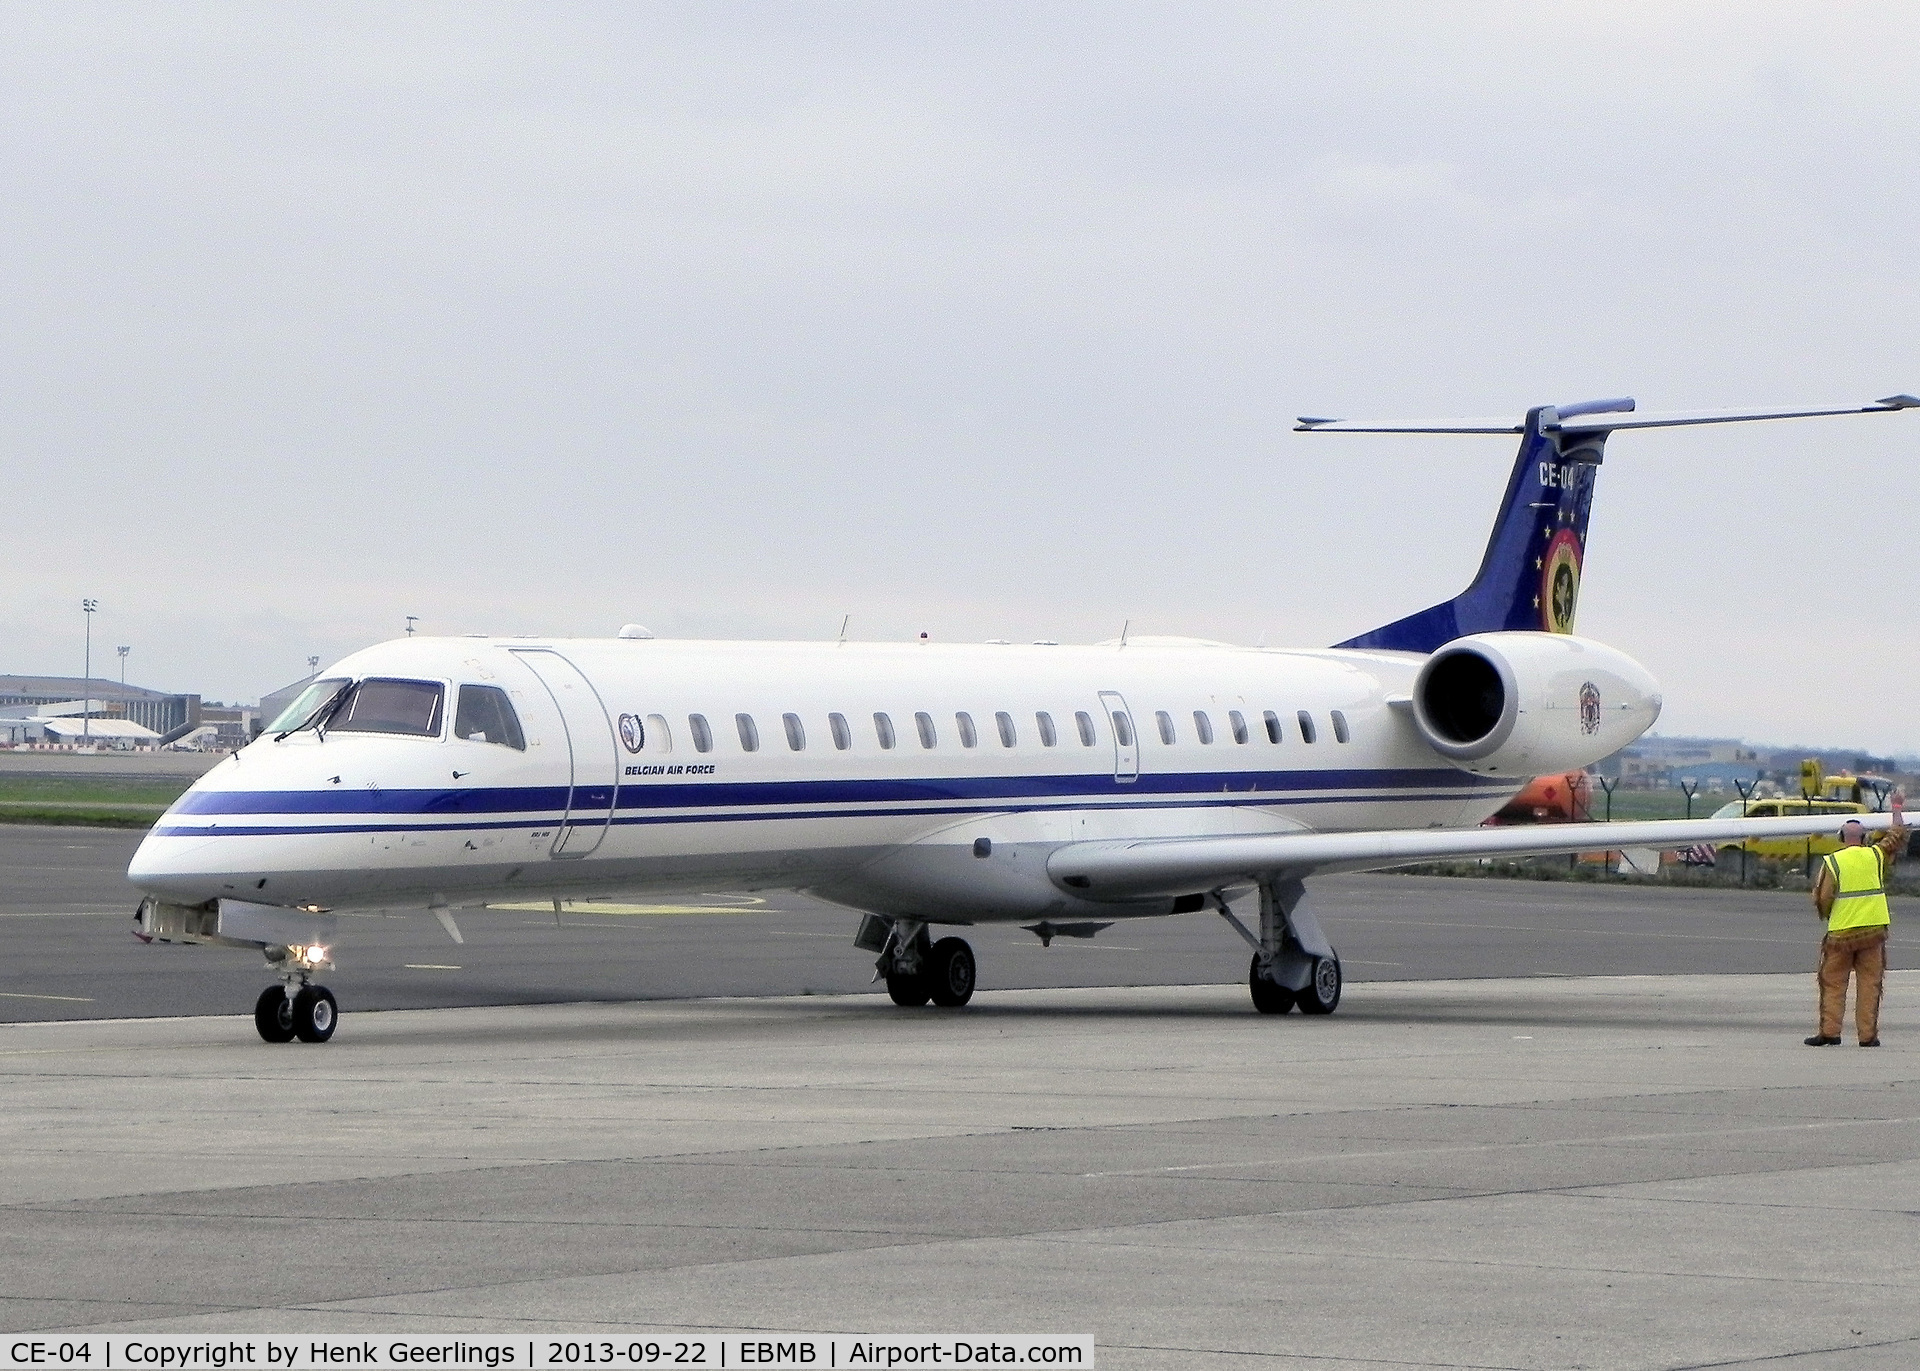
273,1015
315,1014
950,973
909,992
1268,997
1322,994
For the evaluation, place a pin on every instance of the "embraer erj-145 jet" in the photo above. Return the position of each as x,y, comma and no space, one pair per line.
930,784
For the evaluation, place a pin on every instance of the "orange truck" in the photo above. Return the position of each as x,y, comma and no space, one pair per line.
1552,799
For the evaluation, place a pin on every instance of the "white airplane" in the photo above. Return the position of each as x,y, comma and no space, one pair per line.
924,784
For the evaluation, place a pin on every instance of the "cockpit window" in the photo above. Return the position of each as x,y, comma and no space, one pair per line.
383,706
485,715
301,710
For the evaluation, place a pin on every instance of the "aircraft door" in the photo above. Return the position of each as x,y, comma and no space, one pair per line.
593,755
1126,739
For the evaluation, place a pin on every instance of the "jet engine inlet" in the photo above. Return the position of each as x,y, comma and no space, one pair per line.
1466,702
1524,704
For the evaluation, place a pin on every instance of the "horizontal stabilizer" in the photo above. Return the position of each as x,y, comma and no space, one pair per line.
1587,418
1131,870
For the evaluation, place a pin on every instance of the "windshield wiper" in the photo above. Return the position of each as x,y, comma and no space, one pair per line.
317,721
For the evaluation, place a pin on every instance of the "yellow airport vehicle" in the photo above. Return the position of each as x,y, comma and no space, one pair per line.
1780,807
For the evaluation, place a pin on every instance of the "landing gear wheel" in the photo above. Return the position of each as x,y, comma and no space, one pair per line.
909,992
273,1015
1268,998
1322,994
950,973
314,1014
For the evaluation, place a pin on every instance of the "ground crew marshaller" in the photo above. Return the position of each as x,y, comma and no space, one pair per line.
1850,896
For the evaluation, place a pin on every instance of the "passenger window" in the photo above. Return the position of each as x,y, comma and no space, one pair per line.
796,735
1306,726
749,732
485,715
924,722
378,706
702,735
1004,721
1047,736
1238,721
842,735
1165,722
1084,722
1340,734
1122,729
964,722
1274,734
659,736
1202,725
883,730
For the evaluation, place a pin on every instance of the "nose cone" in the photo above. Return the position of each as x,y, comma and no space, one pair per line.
176,869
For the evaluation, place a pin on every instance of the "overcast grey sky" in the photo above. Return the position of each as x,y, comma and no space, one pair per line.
987,320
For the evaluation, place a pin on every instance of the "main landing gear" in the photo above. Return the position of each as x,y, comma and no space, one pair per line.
918,970
296,1008
1293,964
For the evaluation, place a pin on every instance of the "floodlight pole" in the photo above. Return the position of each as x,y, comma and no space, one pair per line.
87,607
123,651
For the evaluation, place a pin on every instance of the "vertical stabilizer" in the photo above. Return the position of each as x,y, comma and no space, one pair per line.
1530,578
1530,575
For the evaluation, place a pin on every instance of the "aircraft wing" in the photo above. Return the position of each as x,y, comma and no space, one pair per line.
1134,869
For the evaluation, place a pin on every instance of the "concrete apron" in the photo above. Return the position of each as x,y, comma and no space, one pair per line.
1621,1172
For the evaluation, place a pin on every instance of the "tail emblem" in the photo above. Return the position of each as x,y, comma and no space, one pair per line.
1559,581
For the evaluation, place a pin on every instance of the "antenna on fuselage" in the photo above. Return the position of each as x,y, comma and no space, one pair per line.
845,619
1124,626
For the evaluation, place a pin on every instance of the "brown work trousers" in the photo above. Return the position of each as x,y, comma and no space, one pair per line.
1863,953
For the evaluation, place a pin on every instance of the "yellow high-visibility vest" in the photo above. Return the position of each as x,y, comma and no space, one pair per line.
1859,892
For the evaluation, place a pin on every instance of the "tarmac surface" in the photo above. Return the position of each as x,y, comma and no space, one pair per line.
68,952
1637,1172
1489,1157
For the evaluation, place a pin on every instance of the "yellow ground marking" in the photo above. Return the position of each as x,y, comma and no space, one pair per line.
65,999
753,905
428,966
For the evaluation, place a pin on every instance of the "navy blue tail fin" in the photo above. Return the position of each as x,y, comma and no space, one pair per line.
1530,576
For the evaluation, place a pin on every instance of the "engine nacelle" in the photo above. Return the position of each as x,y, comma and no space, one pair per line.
1525,704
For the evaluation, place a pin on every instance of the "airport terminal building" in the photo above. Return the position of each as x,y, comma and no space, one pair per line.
162,713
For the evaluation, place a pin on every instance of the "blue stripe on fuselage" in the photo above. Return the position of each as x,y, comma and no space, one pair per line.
587,818
738,794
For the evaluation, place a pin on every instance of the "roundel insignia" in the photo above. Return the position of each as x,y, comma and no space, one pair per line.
632,734
1560,582
1589,708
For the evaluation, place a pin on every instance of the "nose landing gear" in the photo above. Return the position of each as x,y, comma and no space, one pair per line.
296,1008
917,971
